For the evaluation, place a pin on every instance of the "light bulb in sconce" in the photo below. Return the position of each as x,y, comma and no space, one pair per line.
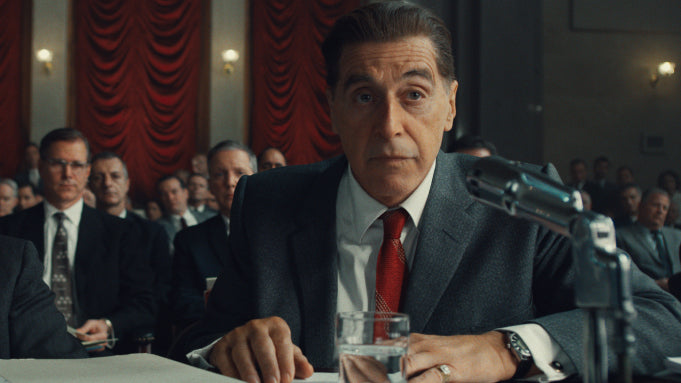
229,57
664,69
45,56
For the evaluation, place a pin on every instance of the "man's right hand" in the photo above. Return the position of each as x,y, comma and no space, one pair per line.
260,345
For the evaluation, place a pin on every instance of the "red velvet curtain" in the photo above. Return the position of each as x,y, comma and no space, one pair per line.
289,110
136,83
12,141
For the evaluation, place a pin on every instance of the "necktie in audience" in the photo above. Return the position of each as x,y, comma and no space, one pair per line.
662,251
61,275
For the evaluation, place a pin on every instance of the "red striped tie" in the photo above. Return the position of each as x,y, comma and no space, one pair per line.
391,268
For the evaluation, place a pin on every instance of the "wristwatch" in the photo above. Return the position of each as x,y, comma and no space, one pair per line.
521,352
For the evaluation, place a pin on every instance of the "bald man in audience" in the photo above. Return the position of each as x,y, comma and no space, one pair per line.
201,251
9,196
110,182
271,158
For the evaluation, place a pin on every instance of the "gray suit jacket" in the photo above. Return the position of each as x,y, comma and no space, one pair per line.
475,268
30,325
167,223
635,240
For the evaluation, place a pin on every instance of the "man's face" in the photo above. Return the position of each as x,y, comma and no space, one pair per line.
226,167
669,183
109,182
199,164
653,211
578,172
630,198
32,157
624,176
272,158
27,198
7,200
390,108
173,196
64,183
198,188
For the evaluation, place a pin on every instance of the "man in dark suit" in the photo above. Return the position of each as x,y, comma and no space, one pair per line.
197,186
628,198
652,246
602,191
201,251
92,263
30,325
30,174
110,183
306,242
175,197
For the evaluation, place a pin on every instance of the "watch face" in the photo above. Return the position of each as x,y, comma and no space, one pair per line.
519,346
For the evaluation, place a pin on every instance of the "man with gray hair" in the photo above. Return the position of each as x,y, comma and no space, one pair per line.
201,251
8,196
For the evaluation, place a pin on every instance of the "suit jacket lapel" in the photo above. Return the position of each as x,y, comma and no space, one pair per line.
35,229
217,236
313,244
443,230
86,248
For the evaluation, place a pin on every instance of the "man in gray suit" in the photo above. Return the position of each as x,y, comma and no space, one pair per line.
175,197
652,246
305,240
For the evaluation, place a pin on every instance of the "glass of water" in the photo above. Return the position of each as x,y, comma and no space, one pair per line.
372,346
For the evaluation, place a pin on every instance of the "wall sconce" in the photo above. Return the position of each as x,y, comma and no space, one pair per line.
45,56
664,69
229,57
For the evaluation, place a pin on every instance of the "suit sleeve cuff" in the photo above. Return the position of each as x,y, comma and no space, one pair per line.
199,358
547,355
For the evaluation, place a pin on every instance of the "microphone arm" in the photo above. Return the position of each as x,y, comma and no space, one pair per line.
603,272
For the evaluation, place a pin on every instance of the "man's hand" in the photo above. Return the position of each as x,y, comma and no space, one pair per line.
471,358
94,329
260,345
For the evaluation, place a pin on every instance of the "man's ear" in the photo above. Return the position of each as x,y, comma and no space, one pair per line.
452,105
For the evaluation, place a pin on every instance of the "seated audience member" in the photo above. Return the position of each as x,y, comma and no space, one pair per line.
182,175
653,247
30,324
601,190
669,181
198,194
175,196
199,164
28,196
271,158
624,176
475,146
30,174
91,259
577,174
153,210
8,196
110,182
306,242
586,200
89,198
672,216
201,251
212,202
629,198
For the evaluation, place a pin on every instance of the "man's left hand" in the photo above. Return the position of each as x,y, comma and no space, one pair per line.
470,358
94,329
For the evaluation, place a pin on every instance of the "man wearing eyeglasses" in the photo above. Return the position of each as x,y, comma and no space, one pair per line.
100,282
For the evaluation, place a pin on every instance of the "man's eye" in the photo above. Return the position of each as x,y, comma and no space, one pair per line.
415,95
364,98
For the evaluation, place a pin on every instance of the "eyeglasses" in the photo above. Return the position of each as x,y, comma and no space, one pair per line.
58,164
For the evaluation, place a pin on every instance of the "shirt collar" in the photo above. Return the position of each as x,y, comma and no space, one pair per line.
361,210
123,214
73,213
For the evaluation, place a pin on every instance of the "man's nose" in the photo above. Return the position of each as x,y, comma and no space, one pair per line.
390,118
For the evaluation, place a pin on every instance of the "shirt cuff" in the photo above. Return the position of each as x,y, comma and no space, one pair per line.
547,355
199,358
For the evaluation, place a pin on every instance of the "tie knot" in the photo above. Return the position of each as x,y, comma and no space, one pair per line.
59,216
393,222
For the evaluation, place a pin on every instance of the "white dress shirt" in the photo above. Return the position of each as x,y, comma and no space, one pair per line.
359,234
226,219
188,218
71,223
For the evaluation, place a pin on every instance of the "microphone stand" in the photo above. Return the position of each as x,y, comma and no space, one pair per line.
603,272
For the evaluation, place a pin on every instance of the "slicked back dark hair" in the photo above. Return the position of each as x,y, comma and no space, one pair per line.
386,22
62,134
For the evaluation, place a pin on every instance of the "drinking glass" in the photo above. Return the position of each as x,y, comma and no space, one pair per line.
372,346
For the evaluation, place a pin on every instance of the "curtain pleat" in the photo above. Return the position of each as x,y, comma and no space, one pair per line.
12,139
